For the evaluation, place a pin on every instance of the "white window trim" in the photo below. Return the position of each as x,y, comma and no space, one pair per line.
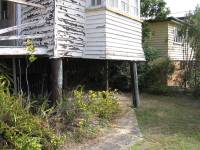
131,8
177,39
95,3
134,8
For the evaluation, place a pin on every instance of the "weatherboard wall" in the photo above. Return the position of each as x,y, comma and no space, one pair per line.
72,30
111,35
123,37
176,50
159,37
95,34
69,28
45,25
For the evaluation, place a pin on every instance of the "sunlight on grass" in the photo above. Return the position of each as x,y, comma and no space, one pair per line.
169,123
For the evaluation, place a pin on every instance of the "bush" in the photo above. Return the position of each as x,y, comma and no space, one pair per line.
161,90
154,73
36,126
20,129
85,113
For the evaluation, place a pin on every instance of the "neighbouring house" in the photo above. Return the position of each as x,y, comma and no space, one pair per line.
78,29
166,39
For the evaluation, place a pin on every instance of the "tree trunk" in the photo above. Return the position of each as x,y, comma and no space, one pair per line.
134,83
56,79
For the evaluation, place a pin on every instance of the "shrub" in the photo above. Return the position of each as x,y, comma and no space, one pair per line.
154,75
20,129
161,89
85,113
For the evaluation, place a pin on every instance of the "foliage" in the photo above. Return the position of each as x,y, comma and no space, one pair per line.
154,9
151,53
86,112
31,49
19,128
190,32
36,125
154,73
30,59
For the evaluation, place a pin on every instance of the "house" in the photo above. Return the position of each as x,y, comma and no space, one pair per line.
166,39
79,29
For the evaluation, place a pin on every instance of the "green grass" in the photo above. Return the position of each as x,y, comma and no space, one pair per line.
169,123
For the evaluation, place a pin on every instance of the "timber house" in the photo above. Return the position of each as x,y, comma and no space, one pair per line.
166,39
81,29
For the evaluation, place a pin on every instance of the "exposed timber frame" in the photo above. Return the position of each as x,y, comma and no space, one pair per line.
16,50
23,2
25,25
22,37
21,51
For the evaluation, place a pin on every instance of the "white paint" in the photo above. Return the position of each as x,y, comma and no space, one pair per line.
68,30
19,51
112,36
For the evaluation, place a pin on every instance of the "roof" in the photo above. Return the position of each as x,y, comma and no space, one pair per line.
173,19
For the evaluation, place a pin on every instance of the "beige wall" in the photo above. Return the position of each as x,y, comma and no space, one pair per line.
159,37
162,38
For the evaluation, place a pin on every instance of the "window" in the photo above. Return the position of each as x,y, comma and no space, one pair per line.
113,3
125,6
95,2
4,10
177,37
134,8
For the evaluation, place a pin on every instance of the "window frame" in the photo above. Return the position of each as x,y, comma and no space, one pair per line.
95,3
3,13
126,8
115,4
177,38
130,8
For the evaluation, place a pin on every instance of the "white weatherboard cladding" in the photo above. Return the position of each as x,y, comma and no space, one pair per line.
69,28
95,35
46,16
113,36
176,50
73,31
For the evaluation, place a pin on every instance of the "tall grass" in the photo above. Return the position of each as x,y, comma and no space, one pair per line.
36,125
19,128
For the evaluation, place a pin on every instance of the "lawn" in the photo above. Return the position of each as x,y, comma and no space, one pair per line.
169,123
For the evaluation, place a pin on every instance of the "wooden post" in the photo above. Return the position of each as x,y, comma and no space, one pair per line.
134,83
14,75
56,79
107,75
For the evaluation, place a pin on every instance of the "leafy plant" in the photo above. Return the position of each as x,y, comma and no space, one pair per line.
19,128
86,112
30,59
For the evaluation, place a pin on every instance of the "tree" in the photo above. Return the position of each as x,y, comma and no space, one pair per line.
157,10
190,32
154,9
